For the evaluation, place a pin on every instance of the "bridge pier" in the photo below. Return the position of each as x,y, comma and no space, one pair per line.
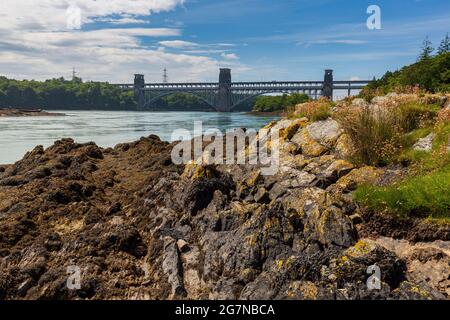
224,103
139,85
327,90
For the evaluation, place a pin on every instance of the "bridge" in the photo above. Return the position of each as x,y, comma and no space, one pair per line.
225,95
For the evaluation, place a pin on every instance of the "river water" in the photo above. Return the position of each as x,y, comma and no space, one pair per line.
19,135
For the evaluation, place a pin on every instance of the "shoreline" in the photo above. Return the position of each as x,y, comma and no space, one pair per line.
14,112
297,232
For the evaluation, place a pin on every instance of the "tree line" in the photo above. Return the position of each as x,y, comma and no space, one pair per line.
64,94
279,102
431,72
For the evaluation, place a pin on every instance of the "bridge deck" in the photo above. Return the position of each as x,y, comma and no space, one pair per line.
247,86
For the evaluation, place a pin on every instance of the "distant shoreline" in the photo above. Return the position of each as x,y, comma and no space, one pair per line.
263,113
13,112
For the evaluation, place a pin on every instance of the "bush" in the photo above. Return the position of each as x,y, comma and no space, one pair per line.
379,133
314,111
376,134
417,196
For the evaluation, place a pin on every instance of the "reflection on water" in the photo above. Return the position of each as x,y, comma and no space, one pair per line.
19,135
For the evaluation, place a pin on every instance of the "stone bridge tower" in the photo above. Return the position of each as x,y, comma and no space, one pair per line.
139,84
224,103
327,90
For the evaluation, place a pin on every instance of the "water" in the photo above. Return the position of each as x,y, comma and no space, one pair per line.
19,135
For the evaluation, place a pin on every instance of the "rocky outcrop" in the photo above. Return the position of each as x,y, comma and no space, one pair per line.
139,227
424,144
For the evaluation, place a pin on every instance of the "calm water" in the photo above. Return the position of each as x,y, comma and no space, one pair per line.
19,135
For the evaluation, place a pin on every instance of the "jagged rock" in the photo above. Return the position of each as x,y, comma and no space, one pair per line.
262,196
410,291
424,144
350,271
344,146
292,129
325,132
171,267
358,177
308,145
427,263
330,227
140,227
199,193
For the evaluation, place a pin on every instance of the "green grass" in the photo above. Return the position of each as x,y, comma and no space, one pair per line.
423,162
424,195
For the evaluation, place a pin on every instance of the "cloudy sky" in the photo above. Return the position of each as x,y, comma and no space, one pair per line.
258,39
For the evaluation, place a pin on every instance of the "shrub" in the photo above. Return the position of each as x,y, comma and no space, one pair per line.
379,133
375,133
314,111
420,195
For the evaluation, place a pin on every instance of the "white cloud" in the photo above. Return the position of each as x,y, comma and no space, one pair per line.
230,56
124,20
332,41
51,15
178,44
35,44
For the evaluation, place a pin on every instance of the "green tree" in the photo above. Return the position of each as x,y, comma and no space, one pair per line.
444,47
427,49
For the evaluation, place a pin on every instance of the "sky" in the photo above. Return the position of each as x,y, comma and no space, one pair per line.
258,39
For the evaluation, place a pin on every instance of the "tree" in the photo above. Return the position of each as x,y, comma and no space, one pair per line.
427,50
444,47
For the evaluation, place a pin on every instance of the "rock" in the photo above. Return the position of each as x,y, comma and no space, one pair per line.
427,263
183,246
330,227
325,132
335,171
171,267
351,268
24,287
278,190
358,177
411,291
140,227
308,145
292,129
199,193
344,146
262,196
291,148
424,144
282,124
195,171
303,290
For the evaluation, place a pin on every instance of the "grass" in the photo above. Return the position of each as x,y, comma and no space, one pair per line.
424,195
381,134
423,162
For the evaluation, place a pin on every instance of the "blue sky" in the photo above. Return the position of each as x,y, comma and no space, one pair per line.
258,39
